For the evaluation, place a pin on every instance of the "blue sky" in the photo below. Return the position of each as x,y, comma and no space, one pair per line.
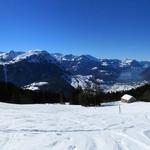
103,28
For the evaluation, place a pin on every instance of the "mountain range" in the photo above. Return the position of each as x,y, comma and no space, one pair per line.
37,69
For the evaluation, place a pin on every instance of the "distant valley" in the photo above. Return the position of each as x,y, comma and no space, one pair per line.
36,69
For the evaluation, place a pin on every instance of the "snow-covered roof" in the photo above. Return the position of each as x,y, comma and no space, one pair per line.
127,97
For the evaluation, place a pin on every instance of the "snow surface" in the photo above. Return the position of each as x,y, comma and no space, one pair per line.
65,127
35,86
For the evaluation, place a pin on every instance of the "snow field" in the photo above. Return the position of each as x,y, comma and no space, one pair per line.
66,127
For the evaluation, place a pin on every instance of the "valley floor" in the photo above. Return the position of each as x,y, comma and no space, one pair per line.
65,127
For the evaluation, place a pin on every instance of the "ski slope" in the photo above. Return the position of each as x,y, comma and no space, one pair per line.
65,127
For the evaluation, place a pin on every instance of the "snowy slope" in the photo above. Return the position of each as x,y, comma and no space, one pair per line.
82,81
57,127
122,86
35,86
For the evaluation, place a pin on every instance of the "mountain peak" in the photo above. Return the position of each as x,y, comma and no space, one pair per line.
35,56
30,56
8,56
88,57
129,62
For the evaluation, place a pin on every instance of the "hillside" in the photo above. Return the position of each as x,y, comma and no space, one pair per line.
11,94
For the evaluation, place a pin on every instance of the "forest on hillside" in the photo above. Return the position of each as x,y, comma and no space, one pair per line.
11,94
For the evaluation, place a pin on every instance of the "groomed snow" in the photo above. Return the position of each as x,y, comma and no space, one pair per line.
65,127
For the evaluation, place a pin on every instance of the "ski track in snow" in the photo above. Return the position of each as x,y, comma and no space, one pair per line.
57,127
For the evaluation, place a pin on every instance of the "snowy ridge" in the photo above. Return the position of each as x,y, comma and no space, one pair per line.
34,56
8,56
70,57
14,56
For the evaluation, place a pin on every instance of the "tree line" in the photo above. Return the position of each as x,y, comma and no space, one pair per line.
11,94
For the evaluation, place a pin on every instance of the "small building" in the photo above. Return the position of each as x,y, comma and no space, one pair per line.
128,98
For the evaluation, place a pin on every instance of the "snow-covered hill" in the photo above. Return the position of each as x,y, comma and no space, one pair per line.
57,127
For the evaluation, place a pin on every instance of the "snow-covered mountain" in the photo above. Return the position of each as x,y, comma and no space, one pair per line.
88,70
34,56
63,72
8,56
26,68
